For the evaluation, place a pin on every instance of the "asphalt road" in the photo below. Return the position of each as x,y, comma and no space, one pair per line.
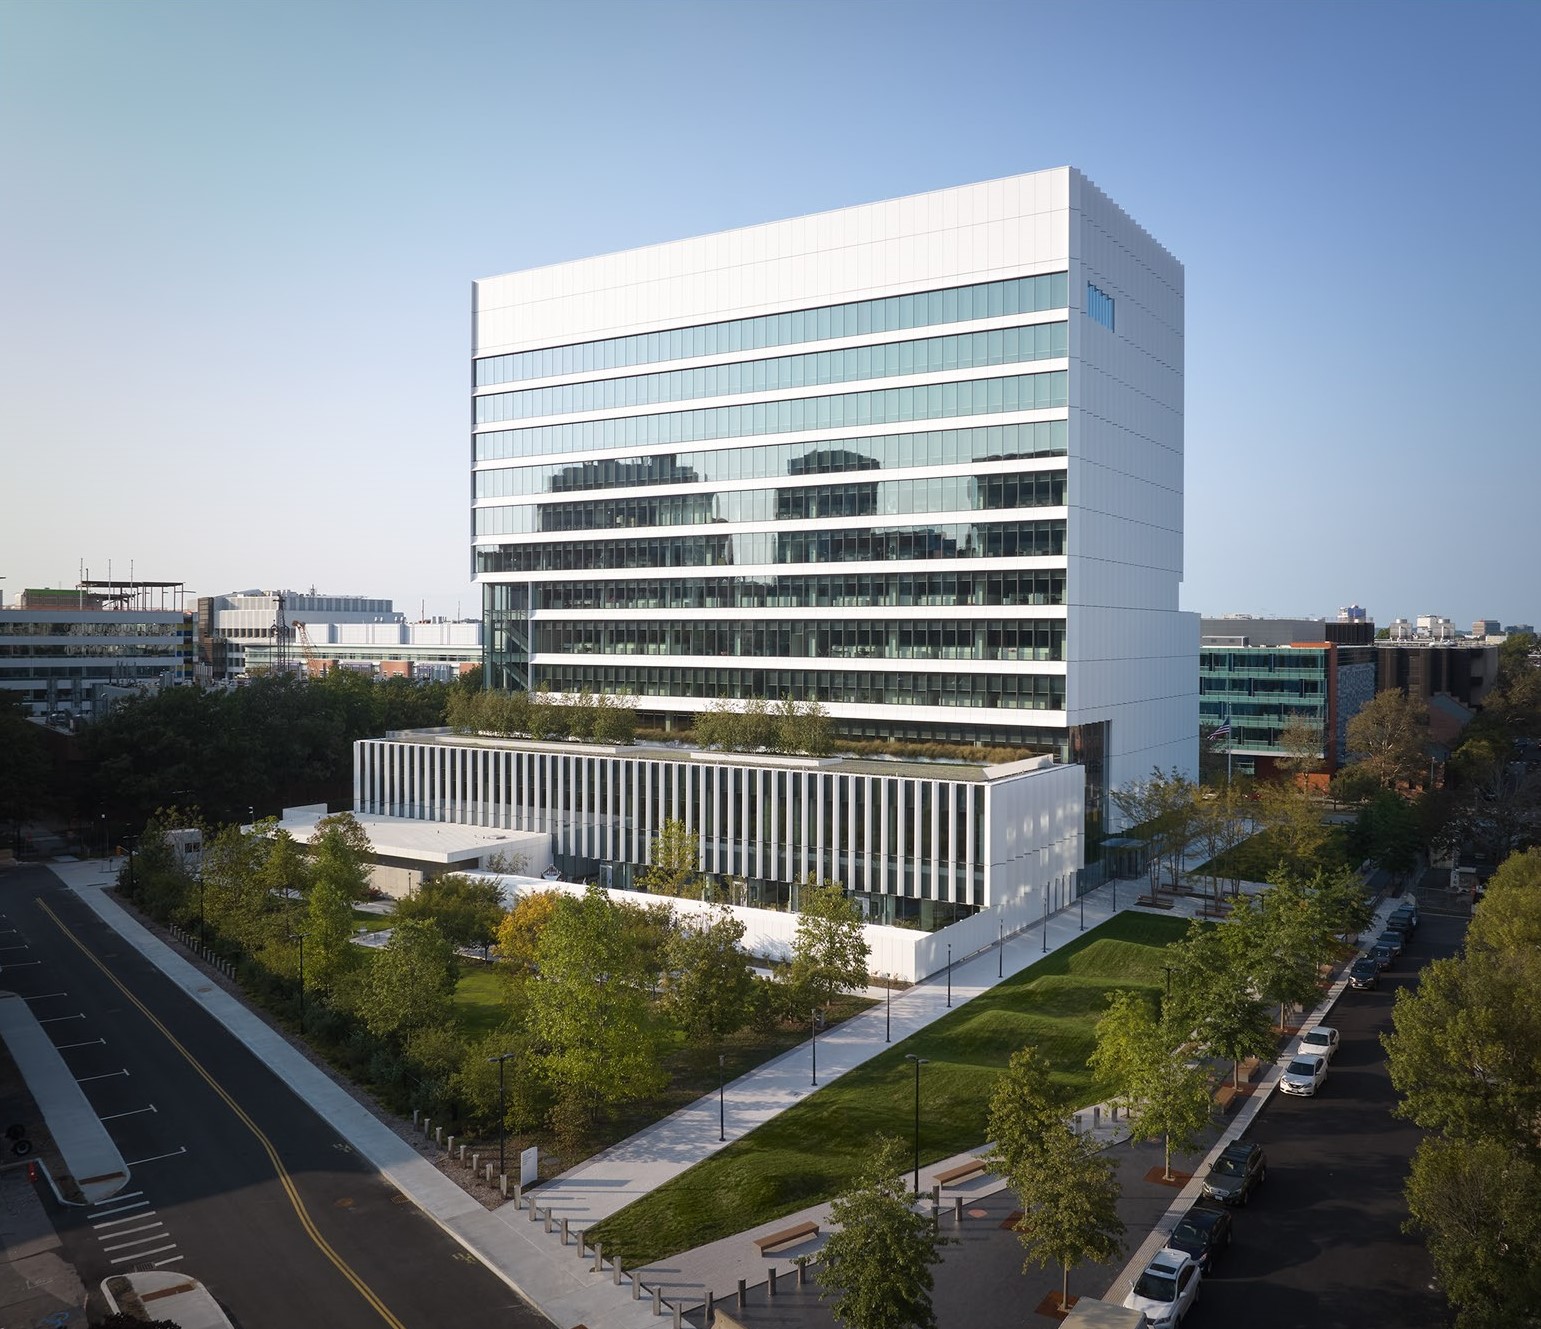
1321,1242
308,1233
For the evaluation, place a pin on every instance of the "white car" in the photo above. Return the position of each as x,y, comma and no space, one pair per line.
1167,1289
1304,1074
1321,1041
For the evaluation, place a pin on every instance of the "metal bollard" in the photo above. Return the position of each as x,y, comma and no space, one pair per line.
476,1162
1096,1117
711,1307
449,1145
957,1210
636,1283
416,1115
1077,1123
548,1220
802,1273
564,1232
534,1210
503,1184
657,1301
936,1195
427,1125
438,1136
583,1241
488,1167
770,1283
599,1257
679,1317
1113,1112
742,1294
518,1192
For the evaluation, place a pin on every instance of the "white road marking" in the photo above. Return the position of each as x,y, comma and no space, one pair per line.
138,1241
57,1018
132,1218
172,1260
140,1162
45,996
125,1259
114,1116
89,1043
106,1075
124,1208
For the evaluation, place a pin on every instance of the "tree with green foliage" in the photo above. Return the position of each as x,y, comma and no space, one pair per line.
1390,831
877,1263
830,951
1465,1056
408,984
519,932
329,933
1163,811
1023,1111
1140,1062
26,773
1280,935
1068,1189
802,726
475,1083
591,1012
468,911
1478,1206
284,868
1294,821
1213,1001
1388,737
340,852
674,863
708,982
163,887
1302,743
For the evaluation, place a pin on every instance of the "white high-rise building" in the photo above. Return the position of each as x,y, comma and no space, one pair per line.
920,460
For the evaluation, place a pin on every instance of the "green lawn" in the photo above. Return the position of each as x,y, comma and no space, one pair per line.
479,995
810,1152
365,921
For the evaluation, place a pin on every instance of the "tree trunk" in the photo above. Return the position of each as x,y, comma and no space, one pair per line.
1064,1287
1166,1143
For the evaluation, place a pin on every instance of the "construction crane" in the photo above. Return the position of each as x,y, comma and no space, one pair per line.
315,666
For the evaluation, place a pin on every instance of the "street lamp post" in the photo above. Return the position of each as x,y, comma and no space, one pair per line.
1046,921
203,927
813,1024
919,1062
1000,949
1080,896
722,1110
502,1110
949,975
300,938
888,1014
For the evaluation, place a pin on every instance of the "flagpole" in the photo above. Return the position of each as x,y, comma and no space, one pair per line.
1230,746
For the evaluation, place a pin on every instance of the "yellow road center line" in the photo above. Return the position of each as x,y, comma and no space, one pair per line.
306,1222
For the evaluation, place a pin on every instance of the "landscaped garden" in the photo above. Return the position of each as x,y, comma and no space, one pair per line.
1053,1005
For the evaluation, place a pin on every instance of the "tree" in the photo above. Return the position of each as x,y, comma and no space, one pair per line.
708,985
25,771
340,851
1212,998
1137,1058
830,951
1301,741
284,869
1388,830
1069,1200
468,911
674,866
1163,810
409,981
1478,1205
590,1013
1294,821
1280,941
329,931
1023,1110
519,932
878,1262
1387,737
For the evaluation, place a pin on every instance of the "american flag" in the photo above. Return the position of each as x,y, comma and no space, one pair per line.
1224,731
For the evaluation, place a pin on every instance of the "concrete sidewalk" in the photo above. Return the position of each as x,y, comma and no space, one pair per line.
93,1169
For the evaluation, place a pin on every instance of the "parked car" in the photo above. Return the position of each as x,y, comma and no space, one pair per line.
1365,973
1304,1075
1167,1288
1203,1232
1322,1040
1408,905
1392,941
1382,954
1405,914
1236,1172
1398,924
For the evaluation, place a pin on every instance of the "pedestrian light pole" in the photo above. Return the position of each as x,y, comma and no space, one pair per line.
502,1110
813,1025
298,937
1000,949
949,975
888,1013
919,1062
722,1110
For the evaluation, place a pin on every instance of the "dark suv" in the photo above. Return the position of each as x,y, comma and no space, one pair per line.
1231,1177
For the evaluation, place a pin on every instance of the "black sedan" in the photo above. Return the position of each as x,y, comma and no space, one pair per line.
1203,1232
1364,974
1233,1175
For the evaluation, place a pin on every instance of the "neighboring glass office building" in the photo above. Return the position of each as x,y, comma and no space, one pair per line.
920,460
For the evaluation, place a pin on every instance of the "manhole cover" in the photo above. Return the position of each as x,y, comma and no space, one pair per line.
345,1203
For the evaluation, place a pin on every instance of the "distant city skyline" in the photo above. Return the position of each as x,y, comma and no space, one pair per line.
239,241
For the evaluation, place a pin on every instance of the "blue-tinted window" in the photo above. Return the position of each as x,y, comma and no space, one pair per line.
1099,305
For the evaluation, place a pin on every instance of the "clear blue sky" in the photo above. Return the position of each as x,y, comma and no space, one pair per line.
237,242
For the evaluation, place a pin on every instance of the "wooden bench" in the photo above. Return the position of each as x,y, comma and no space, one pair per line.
975,1167
786,1237
1153,902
